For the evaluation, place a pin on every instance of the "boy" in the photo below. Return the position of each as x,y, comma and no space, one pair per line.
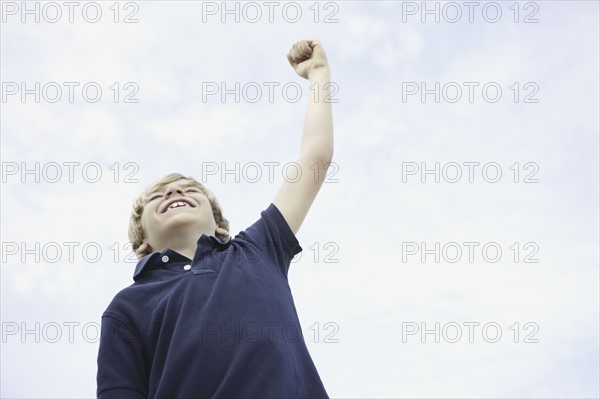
209,315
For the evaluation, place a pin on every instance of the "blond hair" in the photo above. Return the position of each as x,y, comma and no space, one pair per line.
136,232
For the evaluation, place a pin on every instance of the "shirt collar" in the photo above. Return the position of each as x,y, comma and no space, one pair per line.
204,247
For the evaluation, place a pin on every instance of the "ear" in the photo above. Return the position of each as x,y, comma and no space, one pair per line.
221,231
143,250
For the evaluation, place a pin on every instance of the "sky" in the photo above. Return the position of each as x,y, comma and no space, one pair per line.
453,248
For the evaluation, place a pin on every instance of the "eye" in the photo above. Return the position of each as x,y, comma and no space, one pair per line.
154,197
192,190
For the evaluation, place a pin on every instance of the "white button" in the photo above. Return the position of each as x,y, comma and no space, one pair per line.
165,258
187,267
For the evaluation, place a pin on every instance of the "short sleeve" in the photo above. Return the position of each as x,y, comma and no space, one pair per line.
273,238
121,368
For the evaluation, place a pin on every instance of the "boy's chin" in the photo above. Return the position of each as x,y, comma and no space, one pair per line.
185,225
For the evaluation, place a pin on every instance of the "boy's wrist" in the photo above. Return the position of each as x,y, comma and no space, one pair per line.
319,73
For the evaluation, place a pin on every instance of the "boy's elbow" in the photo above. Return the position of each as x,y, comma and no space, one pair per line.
321,152
326,157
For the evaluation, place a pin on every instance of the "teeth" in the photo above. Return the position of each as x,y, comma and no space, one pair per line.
177,204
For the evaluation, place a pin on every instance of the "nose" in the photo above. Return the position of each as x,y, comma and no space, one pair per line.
172,188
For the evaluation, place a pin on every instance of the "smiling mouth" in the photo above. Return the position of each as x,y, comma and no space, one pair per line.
178,204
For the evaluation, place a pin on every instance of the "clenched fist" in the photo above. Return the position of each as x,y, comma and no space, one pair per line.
305,56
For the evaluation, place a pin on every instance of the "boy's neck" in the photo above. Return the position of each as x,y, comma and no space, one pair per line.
187,251
186,247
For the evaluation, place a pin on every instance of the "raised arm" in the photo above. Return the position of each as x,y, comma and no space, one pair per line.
296,195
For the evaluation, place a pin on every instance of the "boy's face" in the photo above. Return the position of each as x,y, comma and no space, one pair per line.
176,208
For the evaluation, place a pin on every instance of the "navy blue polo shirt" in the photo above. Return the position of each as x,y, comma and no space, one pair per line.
221,325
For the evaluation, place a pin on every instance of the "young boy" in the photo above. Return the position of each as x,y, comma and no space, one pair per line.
209,315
